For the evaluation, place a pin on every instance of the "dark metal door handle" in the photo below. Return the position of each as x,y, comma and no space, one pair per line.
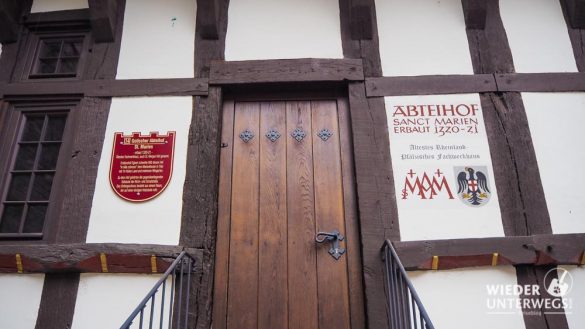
334,237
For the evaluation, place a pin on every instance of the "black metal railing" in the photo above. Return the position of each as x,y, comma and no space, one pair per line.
405,310
162,307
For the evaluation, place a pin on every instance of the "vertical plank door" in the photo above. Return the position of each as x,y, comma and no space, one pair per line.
272,270
302,258
286,174
243,256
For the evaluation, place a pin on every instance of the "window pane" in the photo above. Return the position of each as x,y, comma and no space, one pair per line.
33,128
18,187
49,154
41,187
68,65
46,66
50,48
10,221
55,128
25,159
35,218
72,48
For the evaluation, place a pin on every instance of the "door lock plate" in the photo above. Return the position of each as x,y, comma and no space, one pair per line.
336,251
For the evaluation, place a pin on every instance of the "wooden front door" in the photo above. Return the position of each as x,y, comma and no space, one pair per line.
286,174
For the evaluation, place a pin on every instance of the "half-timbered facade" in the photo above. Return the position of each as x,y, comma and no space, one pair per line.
278,145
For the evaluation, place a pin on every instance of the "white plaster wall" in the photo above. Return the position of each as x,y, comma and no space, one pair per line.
55,5
270,29
556,121
20,297
419,37
575,315
157,221
158,39
106,300
538,37
442,217
445,293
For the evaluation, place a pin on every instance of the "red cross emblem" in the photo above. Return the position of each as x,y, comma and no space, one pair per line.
472,183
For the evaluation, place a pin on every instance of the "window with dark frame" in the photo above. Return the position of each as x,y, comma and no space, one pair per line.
33,129
30,180
57,57
54,45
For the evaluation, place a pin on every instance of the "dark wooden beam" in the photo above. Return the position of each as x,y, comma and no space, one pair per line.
147,87
474,12
488,47
546,249
110,88
458,253
475,83
10,11
361,22
544,317
200,191
359,34
58,301
233,73
543,82
430,85
285,70
87,258
576,13
524,211
103,17
490,54
503,160
378,212
42,88
577,38
73,18
208,24
84,144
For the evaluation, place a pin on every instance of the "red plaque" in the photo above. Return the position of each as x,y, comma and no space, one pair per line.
142,165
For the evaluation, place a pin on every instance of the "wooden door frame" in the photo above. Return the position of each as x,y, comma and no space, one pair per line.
373,173
263,92
290,92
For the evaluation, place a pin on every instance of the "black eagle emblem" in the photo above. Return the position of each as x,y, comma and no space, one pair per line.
473,187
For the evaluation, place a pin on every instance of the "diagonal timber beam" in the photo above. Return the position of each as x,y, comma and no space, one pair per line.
475,13
576,13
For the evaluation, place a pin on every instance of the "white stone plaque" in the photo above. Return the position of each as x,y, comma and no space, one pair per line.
442,167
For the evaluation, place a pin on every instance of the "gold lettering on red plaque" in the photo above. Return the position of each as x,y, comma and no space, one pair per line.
141,165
